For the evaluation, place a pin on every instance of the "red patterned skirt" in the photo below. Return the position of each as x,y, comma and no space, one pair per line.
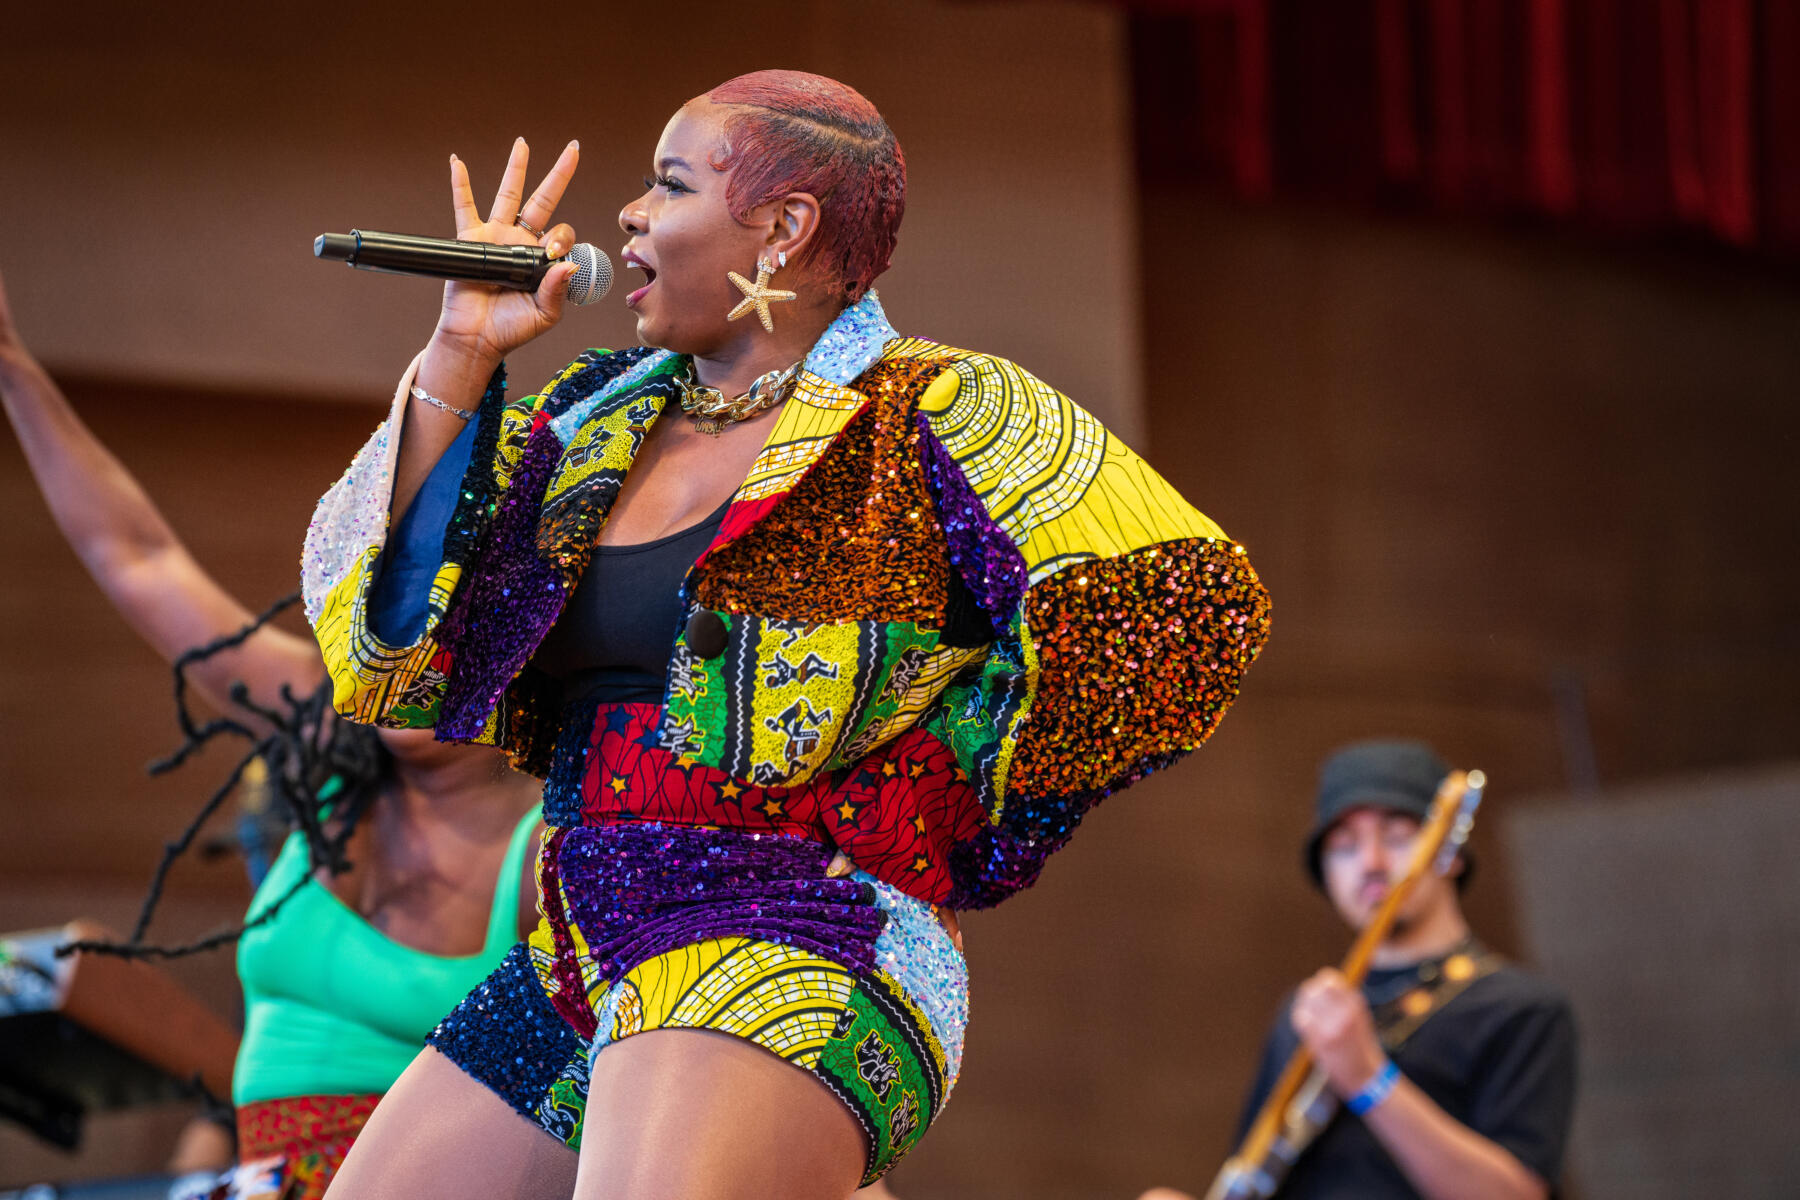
297,1143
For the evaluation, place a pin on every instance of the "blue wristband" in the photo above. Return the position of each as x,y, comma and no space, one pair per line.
1374,1091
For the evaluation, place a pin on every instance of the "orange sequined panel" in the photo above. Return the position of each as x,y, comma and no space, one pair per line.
857,538
1139,657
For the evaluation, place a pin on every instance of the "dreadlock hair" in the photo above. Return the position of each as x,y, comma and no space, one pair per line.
316,767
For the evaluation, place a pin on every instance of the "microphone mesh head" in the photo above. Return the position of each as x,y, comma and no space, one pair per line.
593,273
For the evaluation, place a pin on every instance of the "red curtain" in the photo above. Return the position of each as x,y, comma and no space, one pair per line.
1631,115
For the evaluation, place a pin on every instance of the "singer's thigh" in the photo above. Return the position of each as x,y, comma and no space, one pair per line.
690,1114
440,1133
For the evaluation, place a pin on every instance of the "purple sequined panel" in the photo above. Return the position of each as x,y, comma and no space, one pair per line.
1000,862
995,864
509,599
982,553
637,891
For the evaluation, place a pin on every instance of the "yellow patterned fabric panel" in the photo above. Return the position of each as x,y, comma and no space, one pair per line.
914,692
802,701
540,947
815,413
787,1001
922,348
373,683
1047,472
515,428
603,446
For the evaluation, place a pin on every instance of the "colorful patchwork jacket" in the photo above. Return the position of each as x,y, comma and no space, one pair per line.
944,593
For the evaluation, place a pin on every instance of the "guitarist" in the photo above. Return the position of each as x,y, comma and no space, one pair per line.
1457,1069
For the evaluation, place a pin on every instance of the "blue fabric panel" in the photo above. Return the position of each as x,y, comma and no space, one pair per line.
415,551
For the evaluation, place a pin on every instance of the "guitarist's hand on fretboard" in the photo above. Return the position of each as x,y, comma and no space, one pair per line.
1334,1022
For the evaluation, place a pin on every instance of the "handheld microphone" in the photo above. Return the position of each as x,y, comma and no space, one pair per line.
518,267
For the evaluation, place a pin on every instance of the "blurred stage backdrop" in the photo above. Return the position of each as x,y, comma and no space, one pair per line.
1476,320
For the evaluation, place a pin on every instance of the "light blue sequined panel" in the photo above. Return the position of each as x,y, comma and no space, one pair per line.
350,518
851,344
917,952
606,1019
564,426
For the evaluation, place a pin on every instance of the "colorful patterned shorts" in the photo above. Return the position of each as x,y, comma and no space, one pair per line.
652,926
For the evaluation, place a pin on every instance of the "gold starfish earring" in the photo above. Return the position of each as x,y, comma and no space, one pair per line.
759,295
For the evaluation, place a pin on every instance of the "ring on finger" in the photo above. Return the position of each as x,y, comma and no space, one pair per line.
522,223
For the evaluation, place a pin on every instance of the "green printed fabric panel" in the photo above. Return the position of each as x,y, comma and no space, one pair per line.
878,1063
979,717
694,723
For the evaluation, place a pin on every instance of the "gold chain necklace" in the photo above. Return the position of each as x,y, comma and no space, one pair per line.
712,410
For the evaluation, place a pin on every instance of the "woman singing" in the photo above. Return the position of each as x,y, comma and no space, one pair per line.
816,632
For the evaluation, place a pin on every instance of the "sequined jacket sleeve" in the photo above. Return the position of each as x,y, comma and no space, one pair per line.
1123,619
405,686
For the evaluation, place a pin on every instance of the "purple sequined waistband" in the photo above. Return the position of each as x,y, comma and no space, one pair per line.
634,891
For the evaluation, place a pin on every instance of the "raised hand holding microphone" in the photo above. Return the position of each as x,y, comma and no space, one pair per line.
481,323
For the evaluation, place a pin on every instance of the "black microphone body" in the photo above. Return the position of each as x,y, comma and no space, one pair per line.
518,267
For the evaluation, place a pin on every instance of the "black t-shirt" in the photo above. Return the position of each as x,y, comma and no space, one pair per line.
1499,1058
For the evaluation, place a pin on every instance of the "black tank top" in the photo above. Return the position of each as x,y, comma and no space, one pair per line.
613,639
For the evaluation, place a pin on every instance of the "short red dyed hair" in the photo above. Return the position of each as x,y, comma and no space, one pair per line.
795,132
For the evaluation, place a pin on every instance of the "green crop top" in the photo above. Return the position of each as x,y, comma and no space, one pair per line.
333,1006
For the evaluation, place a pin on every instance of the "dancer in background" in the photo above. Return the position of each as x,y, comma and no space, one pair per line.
818,633
344,982
1457,1067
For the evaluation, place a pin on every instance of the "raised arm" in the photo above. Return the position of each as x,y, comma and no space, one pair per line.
385,555
128,547
480,324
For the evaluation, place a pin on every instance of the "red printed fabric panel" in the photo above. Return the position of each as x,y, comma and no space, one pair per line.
627,774
311,1134
897,813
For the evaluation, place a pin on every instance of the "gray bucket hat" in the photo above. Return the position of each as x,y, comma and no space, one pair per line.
1392,773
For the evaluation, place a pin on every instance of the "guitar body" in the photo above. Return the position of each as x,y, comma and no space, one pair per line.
1304,1119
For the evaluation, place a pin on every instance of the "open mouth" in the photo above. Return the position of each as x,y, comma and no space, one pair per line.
632,300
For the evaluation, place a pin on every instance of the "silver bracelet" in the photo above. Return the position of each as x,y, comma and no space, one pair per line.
461,414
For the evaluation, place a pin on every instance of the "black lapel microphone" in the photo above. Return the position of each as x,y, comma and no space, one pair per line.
519,267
